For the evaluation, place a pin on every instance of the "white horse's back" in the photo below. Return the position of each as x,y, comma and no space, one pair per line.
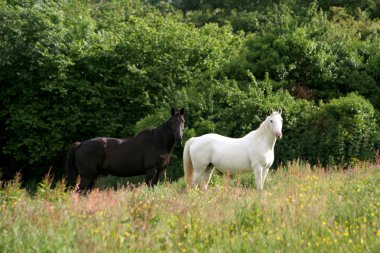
226,154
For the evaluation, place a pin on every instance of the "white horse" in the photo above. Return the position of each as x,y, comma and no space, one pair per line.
253,152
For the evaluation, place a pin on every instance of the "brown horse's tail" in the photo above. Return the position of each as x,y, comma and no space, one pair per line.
187,164
71,167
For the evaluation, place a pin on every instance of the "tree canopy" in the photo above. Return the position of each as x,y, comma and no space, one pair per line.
73,70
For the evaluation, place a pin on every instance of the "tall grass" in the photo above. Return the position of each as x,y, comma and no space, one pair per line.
300,210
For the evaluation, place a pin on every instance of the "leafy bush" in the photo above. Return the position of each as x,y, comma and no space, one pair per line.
71,71
335,133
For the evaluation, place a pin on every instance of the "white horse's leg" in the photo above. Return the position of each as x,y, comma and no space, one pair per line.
206,177
196,178
199,165
265,173
258,178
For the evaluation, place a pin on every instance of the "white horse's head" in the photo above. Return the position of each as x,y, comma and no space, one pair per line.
275,123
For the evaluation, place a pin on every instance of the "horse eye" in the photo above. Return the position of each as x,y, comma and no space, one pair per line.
271,121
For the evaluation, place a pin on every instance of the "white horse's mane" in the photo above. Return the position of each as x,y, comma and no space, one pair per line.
264,125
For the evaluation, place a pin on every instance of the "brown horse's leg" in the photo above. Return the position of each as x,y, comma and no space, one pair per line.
85,184
156,178
150,177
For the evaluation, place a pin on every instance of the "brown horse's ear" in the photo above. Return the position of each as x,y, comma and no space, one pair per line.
182,111
173,111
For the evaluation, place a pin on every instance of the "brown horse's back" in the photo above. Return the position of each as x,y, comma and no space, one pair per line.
90,155
124,157
118,157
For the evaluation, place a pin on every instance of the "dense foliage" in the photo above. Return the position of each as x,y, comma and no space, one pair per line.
73,70
340,132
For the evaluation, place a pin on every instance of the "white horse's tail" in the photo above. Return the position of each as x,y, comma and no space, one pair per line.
187,164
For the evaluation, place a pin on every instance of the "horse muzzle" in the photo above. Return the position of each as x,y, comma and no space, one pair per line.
278,135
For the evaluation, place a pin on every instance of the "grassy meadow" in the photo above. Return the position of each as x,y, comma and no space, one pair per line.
300,210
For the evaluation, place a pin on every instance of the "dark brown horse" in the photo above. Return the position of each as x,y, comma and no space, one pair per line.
148,153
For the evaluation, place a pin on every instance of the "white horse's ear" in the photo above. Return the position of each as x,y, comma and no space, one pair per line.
280,111
270,111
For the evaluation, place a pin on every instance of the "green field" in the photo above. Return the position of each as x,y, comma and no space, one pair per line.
300,210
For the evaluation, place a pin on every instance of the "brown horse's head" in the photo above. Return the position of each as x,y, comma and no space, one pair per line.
177,124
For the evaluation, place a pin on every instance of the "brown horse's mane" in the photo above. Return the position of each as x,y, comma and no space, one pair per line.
149,130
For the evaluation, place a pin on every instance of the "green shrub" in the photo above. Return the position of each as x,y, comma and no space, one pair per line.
336,133
71,71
